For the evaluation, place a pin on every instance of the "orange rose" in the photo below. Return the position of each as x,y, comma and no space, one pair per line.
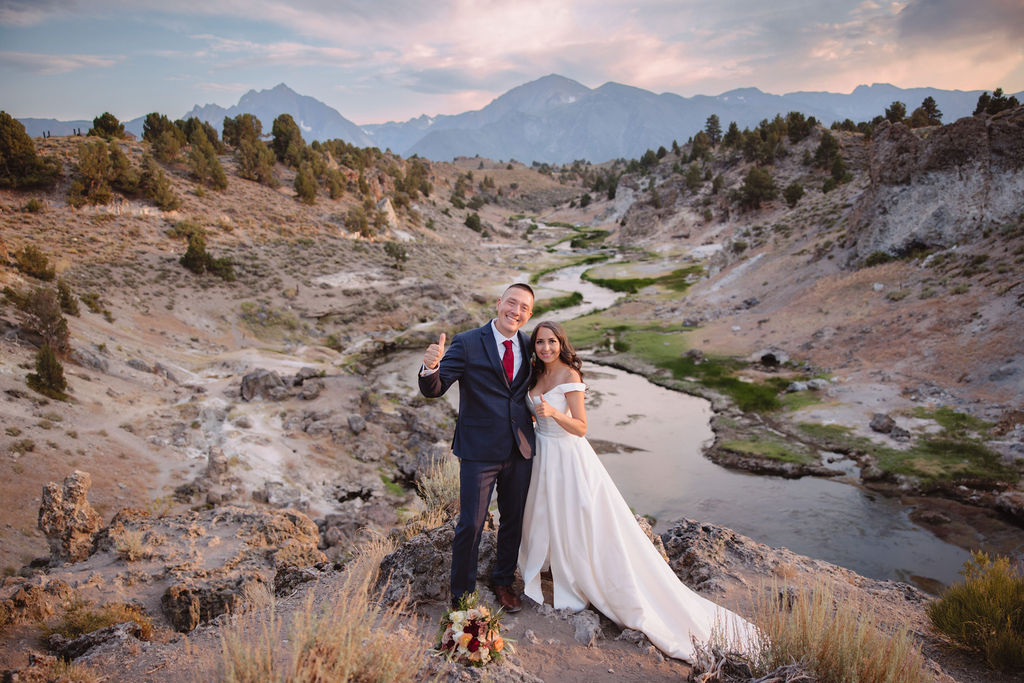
497,644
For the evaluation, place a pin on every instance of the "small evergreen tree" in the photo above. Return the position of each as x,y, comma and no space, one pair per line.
473,222
896,112
757,187
305,184
693,177
20,166
732,135
92,184
827,151
203,162
67,300
48,379
994,103
713,128
156,187
107,126
792,194
42,315
287,143
256,162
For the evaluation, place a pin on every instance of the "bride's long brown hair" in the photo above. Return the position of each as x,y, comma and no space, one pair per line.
566,353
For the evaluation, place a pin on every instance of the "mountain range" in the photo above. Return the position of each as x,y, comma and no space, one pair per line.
555,119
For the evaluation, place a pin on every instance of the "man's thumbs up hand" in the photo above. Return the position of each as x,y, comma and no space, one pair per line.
434,353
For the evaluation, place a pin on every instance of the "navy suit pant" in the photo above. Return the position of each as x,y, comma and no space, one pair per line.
477,480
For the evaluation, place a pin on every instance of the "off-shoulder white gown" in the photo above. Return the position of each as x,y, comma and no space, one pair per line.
578,524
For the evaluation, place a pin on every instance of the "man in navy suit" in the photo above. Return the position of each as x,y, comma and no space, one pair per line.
494,436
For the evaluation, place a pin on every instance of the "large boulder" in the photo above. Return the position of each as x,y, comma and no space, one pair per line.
264,384
67,518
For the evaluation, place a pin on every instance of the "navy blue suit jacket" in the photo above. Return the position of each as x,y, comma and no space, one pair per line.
493,417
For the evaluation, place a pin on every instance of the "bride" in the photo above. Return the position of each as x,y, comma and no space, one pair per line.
578,524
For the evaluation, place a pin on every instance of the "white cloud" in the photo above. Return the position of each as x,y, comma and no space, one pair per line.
54,64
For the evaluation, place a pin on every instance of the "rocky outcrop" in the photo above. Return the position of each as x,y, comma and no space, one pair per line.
33,600
936,187
73,648
67,518
188,604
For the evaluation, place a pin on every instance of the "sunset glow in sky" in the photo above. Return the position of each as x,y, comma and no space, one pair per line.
396,59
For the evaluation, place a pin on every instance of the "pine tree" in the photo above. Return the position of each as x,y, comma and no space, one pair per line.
48,379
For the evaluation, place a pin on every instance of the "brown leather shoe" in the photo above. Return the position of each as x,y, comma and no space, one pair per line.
507,598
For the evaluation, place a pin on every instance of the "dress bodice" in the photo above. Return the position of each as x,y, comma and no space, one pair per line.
546,426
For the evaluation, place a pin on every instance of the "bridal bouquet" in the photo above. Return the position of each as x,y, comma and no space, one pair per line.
471,633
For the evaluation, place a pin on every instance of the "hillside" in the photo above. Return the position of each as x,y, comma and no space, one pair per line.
203,403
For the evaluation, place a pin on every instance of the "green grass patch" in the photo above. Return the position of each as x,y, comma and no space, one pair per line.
678,280
717,373
945,460
934,460
796,400
588,238
391,487
771,450
955,424
545,305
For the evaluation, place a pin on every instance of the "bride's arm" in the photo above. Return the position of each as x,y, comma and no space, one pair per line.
574,423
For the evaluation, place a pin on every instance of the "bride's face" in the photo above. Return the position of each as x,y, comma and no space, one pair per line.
547,347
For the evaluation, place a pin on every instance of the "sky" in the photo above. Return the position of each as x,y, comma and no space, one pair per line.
391,60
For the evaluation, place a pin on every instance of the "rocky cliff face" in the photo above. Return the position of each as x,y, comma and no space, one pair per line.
941,186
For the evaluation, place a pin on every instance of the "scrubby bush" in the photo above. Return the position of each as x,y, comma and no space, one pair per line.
20,166
199,261
256,162
167,138
985,612
81,617
67,300
34,263
397,253
473,222
92,184
792,194
877,258
48,379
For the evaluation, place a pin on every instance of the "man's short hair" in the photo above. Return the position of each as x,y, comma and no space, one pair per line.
523,286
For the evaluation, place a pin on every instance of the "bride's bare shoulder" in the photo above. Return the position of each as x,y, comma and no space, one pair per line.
569,376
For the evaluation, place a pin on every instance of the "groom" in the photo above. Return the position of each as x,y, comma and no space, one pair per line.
493,436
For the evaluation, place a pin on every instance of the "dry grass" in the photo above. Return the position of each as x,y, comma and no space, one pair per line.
346,638
132,545
81,617
985,612
836,639
439,488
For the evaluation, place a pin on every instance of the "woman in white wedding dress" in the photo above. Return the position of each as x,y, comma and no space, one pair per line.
578,524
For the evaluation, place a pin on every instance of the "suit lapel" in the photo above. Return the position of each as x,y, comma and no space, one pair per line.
491,349
524,367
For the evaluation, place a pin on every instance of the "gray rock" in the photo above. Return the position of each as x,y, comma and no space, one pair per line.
587,627
303,374
796,386
817,384
188,604
900,434
89,359
311,390
263,383
140,365
165,372
356,423
882,423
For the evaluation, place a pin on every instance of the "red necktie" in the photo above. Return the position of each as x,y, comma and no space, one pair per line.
507,360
